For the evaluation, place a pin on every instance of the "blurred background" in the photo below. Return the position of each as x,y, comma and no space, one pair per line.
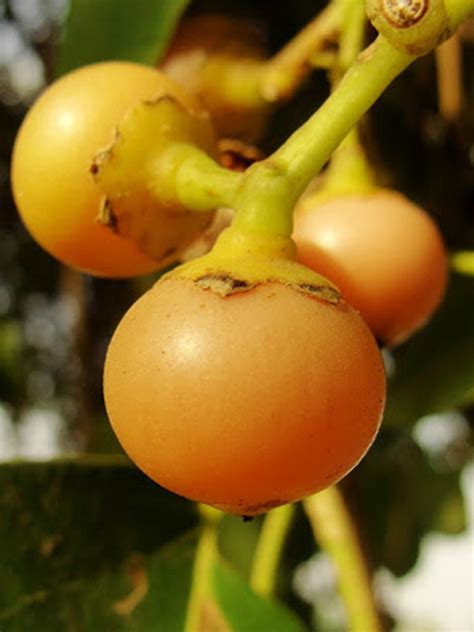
412,496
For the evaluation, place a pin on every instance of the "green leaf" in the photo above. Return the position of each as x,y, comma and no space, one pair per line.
404,496
99,30
92,544
435,370
244,610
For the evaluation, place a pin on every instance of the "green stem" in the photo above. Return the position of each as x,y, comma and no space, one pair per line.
324,60
285,71
264,196
349,170
351,39
206,554
306,151
200,183
332,526
265,201
256,83
271,188
269,549
238,79
458,11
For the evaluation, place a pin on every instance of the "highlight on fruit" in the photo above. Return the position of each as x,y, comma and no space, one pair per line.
383,252
207,427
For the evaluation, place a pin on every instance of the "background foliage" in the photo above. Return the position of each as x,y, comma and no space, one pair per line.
86,541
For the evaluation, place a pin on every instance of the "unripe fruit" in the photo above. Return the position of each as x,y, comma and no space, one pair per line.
218,59
240,394
75,119
383,252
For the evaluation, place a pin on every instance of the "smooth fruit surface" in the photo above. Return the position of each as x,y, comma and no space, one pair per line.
244,402
384,253
71,122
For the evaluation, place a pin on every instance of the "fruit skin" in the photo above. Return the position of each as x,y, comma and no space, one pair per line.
71,122
244,402
218,59
383,252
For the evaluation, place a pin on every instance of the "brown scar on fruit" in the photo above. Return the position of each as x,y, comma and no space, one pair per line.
253,510
323,292
106,215
104,155
223,284
139,580
249,512
198,112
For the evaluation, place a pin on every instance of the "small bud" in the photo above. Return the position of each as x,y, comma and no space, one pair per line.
413,26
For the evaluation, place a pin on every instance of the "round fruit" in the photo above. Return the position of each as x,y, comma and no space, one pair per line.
383,252
244,402
219,59
71,122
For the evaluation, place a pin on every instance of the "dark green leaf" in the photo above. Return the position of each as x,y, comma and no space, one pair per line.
405,496
435,370
98,30
247,612
92,544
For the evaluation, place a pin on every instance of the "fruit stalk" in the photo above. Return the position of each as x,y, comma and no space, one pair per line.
206,553
351,38
201,183
306,151
333,529
349,169
269,549
268,191
270,188
285,71
458,11
449,78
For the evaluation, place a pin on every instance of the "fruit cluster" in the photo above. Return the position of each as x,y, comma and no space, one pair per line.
250,376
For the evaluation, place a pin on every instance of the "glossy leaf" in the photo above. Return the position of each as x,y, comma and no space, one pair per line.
92,544
244,610
98,30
